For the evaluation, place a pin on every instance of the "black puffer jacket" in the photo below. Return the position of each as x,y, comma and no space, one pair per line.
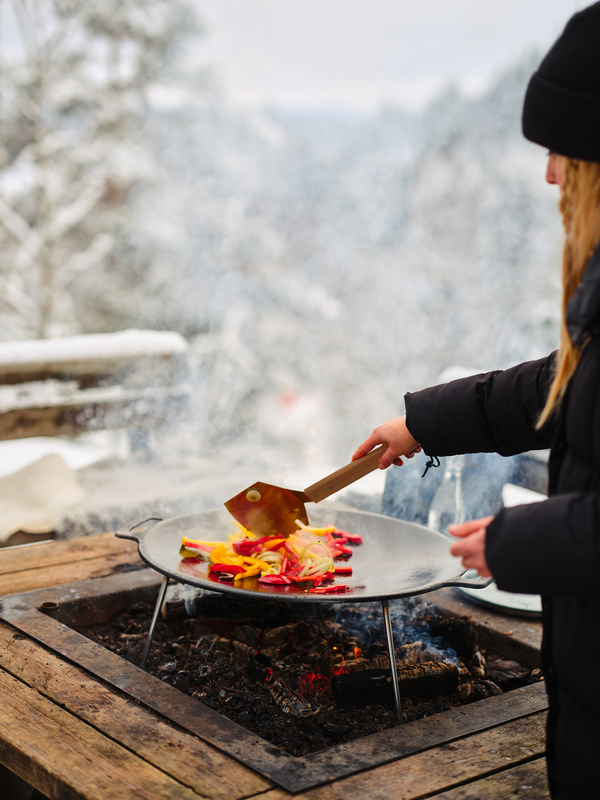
553,547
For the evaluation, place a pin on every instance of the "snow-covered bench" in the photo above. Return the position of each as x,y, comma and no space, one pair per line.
131,379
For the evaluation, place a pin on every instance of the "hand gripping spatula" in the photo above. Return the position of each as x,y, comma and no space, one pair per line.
271,510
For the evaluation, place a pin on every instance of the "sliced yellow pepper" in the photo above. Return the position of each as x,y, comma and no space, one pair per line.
255,562
198,541
223,554
250,572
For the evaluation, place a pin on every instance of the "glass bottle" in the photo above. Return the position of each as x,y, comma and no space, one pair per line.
447,506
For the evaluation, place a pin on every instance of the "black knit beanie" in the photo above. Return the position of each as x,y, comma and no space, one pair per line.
562,103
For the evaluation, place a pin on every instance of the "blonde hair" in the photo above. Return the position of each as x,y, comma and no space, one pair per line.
580,209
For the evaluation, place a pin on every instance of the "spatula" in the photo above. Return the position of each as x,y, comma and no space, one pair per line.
269,510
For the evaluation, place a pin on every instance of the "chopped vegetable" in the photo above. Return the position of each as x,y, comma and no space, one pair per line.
190,548
226,568
343,570
340,587
307,556
276,579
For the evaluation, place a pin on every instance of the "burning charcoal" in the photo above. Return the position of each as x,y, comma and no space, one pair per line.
493,688
506,672
241,649
465,690
478,665
381,662
222,644
202,673
250,654
246,635
278,636
256,672
287,700
303,630
411,653
430,677
358,665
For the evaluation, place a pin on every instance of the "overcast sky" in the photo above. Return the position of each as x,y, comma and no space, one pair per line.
358,54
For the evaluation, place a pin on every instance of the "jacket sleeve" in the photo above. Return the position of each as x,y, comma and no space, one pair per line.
551,547
494,412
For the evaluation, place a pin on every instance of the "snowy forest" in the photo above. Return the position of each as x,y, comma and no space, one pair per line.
319,264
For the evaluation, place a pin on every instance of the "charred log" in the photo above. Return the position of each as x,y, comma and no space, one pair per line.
285,698
357,689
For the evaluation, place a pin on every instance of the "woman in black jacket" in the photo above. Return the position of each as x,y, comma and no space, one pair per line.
550,548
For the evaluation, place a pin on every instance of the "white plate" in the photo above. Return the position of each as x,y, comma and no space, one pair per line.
526,605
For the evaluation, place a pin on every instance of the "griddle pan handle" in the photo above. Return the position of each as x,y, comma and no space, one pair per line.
345,476
469,583
126,532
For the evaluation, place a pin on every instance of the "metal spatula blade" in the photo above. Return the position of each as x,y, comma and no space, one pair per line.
269,510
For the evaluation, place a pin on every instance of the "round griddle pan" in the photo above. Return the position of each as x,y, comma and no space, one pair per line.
396,559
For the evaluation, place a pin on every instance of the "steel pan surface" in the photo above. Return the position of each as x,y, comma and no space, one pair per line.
396,559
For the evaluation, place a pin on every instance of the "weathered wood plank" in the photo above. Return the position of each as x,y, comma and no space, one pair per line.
68,760
175,752
12,787
68,551
528,782
79,415
61,574
413,737
440,768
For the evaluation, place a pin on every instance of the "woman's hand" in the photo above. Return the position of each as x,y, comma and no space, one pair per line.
471,547
398,439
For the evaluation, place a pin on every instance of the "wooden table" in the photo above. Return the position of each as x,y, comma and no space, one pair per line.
70,735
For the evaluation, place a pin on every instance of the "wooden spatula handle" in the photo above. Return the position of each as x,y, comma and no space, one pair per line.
345,476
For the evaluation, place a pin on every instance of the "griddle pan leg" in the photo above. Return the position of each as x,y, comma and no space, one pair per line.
159,601
389,636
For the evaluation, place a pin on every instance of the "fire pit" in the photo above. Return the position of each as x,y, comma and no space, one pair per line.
51,616
399,559
310,677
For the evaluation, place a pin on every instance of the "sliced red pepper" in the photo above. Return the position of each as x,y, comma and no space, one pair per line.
275,579
284,565
226,568
353,538
343,570
340,587
327,576
245,547
347,551
292,556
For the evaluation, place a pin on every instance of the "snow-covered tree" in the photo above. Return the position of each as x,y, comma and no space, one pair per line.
72,97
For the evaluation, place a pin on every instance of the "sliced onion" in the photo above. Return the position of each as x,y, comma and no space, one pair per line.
315,565
269,556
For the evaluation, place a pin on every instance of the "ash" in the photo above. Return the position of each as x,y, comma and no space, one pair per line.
273,668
